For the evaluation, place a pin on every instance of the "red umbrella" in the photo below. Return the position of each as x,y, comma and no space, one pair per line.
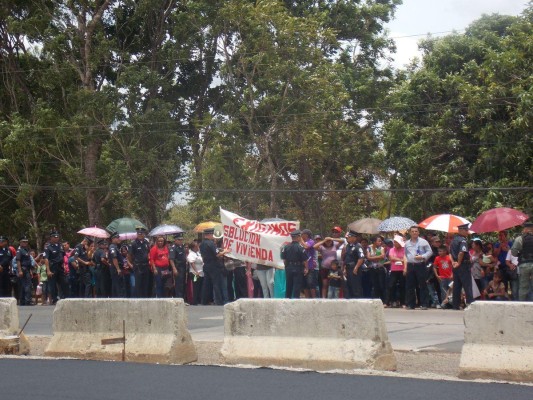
498,219
443,222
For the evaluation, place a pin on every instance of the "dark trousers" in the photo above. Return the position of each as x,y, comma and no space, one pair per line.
5,284
378,276
179,283
25,287
213,279
58,281
416,278
197,285
462,279
294,281
86,287
241,283
355,282
118,286
397,287
142,281
103,282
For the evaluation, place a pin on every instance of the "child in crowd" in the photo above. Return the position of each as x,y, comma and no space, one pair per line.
443,263
43,282
334,280
496,288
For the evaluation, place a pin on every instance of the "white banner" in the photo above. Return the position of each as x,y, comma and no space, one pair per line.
254,241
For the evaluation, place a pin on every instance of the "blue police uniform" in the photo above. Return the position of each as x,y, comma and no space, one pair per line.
5,261
177,255
139,251
85,274
353,253
23,257
103,275
118,286
54,253
294,257
213,276
462,277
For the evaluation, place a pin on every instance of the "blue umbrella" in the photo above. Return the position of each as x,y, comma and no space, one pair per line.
394,224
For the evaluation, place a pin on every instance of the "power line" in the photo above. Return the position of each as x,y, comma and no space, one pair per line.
243,190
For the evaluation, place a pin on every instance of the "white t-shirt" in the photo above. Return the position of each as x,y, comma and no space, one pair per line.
510,257
196,259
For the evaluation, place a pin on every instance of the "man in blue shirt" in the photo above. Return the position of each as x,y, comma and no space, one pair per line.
417,252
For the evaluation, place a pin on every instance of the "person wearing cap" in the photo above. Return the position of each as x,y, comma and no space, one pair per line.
213,277
462,276
5,262
353,257
178,262
24,264
523,249
116,265
295,259
417,252
84,262
311,278
103,274
54,259
397,260
139,257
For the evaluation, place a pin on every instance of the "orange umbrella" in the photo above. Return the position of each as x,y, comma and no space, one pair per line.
443,222
205,225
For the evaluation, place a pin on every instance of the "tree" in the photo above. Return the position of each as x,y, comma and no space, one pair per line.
462,119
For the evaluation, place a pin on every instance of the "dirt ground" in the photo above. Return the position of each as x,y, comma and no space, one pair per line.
419,364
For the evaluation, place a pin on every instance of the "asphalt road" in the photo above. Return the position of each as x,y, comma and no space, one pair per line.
88,380
430,330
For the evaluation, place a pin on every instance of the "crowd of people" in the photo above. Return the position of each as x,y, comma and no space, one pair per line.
406,271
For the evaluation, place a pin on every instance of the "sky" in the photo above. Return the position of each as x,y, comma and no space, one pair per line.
419,17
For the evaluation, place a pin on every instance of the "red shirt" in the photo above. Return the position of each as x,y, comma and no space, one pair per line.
444,266
159,256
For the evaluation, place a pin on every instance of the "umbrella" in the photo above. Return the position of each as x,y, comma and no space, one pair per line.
394,224
205,225
95,232
443,222
365,225
123,225
163,230
498,219
127,236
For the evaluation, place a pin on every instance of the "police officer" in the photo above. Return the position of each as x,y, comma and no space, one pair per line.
24,264
53,258
213,276
139,257
5,263
82,258
523,249
116,265
178,262
353,257
462,277
102,273
295,259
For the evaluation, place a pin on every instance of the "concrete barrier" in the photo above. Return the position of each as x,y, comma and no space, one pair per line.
156,330
10,341
312,334
498,341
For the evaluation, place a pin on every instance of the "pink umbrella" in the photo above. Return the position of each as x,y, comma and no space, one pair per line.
498,219
94,232
443,222
128,236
